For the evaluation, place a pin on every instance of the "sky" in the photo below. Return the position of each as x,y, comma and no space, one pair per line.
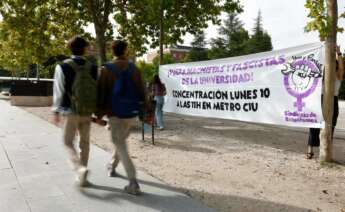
284,20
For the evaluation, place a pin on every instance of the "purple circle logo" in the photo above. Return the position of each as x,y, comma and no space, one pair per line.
301,77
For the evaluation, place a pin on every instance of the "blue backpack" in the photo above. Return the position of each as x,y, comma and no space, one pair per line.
125,102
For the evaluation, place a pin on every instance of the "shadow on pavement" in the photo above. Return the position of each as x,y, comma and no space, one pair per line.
233,203
153,201
159,202
154,184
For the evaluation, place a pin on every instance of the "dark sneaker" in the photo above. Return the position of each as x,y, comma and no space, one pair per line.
112,173
133,188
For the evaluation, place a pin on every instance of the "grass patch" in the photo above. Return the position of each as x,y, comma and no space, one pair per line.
332,165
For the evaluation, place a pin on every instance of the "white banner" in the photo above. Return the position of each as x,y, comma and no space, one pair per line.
279,87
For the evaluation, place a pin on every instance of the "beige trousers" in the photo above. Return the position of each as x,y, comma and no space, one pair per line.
81,125
120,129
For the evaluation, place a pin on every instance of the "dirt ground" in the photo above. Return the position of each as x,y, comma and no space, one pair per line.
235,166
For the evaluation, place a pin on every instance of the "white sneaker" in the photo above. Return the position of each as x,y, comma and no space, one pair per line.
82,177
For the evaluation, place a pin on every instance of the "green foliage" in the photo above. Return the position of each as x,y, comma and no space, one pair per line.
218,49
342,15
198,51
233,39
320,21
180,17
150,69
199,40
197,55
147,70
32,31
48,71
98,12
4,72
331,164
260,41
167,59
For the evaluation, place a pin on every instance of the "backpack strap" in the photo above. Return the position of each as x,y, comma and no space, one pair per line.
75,66
114,69
131,68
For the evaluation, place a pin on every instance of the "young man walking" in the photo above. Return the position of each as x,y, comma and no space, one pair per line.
75,97
121,95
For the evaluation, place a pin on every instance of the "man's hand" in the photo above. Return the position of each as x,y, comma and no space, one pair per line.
57,118
101,122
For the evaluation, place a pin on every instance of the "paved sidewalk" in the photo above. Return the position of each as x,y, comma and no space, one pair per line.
36,177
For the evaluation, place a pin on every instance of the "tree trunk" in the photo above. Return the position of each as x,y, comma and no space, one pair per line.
100,10
331,40
161,34
101,43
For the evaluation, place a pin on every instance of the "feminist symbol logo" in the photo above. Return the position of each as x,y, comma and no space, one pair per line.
301,78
